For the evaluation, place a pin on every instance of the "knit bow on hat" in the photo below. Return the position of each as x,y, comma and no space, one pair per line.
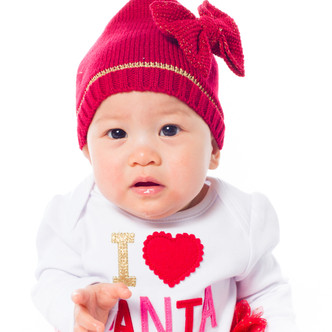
213,33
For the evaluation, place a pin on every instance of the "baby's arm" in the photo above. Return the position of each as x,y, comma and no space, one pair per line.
60,270
262,284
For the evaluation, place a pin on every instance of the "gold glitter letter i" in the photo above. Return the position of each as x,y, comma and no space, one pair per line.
122,239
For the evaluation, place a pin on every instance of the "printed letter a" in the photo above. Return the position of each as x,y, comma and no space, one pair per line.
123,315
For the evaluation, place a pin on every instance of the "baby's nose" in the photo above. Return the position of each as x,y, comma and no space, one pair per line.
144,155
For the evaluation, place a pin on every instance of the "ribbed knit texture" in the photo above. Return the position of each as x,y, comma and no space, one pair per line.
139,52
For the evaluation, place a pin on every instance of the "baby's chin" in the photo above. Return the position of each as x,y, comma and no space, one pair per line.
152,214
157,206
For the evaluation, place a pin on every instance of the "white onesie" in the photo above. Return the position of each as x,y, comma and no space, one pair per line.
186,272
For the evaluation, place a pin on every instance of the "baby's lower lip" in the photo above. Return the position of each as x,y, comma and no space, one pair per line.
147,189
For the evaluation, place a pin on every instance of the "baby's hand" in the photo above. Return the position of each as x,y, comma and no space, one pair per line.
93,303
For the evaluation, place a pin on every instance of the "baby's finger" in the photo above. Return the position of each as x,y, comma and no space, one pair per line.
82,329
109,294
78,328
85,322
80,296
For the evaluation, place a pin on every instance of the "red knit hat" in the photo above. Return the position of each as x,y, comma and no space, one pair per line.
160,46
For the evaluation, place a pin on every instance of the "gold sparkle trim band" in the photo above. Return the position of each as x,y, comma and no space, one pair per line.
122,239
146,65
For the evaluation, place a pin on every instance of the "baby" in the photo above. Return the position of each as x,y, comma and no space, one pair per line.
149,242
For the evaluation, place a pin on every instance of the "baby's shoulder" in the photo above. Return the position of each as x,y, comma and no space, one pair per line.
63,211
242,205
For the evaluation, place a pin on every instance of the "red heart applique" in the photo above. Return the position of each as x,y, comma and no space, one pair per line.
172,259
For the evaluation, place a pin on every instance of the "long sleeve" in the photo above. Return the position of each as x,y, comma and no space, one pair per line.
262,284
60,270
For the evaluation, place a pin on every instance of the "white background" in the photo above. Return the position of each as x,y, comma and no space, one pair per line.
278,137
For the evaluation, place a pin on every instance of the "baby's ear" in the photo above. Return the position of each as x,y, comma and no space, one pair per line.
86,152
215,154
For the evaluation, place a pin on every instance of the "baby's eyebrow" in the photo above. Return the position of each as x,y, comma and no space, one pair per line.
109,117
174,111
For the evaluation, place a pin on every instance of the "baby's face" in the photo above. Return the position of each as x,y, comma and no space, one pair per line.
150,153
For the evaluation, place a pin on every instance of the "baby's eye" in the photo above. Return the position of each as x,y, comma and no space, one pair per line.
116,133
169,130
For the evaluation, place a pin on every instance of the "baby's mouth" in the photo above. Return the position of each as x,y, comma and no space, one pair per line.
147,187
146,184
